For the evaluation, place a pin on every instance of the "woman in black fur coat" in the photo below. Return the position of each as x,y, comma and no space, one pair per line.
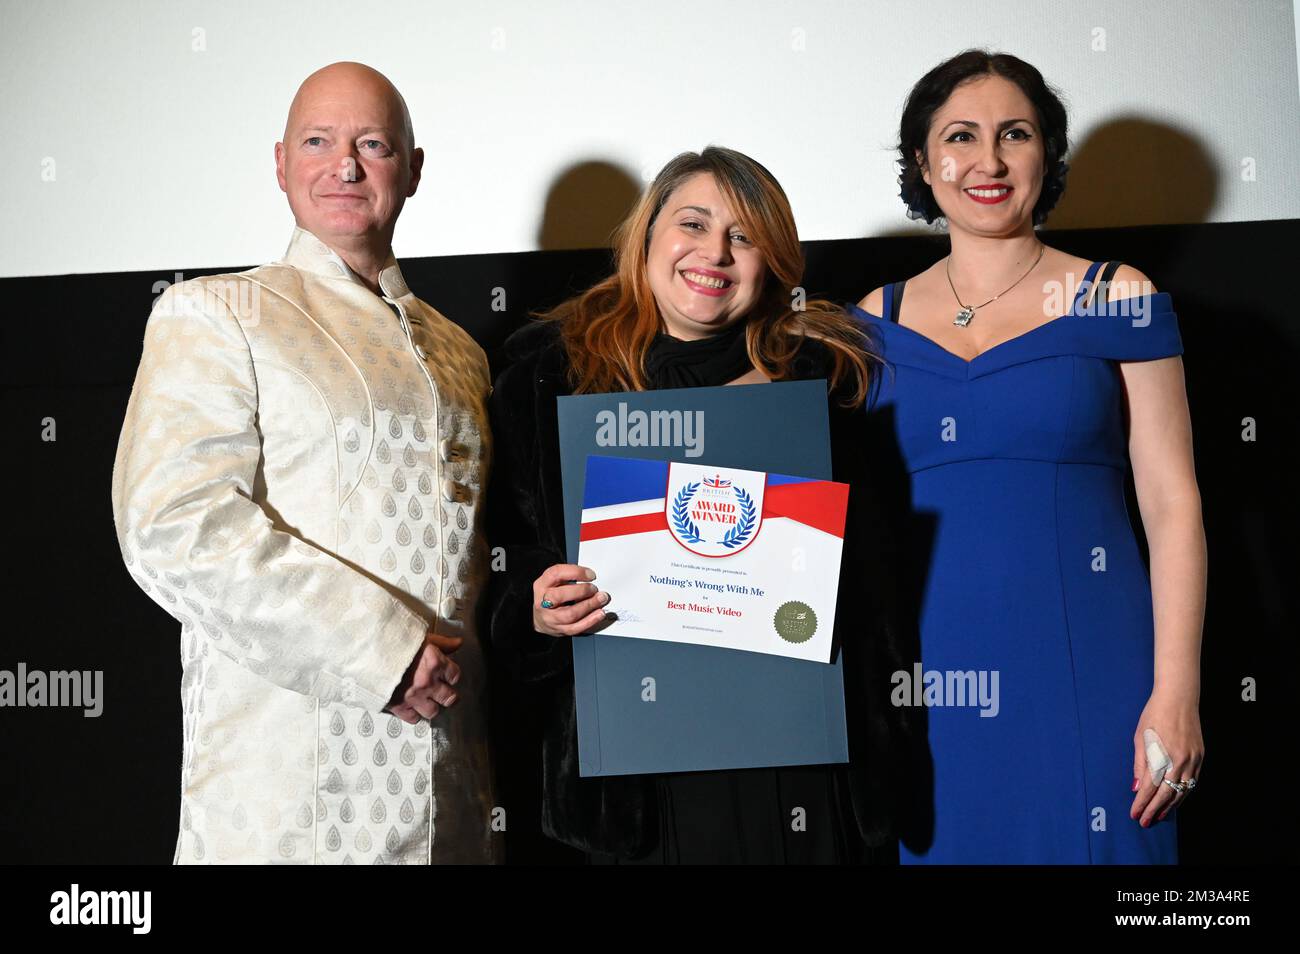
706,292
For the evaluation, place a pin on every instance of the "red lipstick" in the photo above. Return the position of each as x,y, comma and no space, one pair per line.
1002,193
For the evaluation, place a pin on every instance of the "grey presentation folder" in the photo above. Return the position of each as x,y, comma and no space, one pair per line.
712,708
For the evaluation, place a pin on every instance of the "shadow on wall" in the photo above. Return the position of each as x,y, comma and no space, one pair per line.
584,205
1132,171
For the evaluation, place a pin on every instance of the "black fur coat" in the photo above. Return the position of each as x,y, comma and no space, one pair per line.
618,815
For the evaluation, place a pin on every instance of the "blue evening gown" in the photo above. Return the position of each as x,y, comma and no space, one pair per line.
1017,462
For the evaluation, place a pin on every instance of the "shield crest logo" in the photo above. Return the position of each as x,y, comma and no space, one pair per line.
714,512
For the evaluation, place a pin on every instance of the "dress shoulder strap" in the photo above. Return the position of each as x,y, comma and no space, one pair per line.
1103,283
1099,291
894,294
1085,286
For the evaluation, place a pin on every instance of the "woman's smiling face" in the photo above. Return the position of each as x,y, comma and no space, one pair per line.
985,157
704,271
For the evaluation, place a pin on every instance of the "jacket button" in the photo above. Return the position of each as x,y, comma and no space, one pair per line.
458,493
452,451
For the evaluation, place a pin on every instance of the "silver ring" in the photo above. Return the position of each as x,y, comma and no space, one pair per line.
1177,787
1189,783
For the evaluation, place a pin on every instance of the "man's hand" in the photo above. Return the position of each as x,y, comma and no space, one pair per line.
426,689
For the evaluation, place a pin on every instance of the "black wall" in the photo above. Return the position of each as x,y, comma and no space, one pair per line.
80,790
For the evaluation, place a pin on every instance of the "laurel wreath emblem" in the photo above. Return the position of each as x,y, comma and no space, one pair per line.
682,522
689,532
744,528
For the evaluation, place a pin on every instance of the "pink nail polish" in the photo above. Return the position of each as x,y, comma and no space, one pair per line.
1163,814
1136,783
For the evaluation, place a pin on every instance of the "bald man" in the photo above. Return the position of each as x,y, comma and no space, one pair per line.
299,481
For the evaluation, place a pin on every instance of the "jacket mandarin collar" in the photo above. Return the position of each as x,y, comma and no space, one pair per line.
310,254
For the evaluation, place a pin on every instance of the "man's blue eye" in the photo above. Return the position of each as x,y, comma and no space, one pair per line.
313,140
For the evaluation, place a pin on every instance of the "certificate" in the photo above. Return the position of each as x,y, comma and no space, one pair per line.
716,556
652,705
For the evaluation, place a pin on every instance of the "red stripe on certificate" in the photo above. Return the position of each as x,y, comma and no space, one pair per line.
819,503
621,526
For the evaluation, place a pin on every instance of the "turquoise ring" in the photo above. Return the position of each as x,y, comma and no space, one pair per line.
547,604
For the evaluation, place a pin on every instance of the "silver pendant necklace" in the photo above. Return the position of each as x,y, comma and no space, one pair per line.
968,311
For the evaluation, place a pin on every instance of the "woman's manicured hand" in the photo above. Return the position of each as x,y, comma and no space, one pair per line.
566,602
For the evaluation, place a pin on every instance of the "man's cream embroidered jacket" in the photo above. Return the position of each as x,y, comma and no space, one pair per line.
299,481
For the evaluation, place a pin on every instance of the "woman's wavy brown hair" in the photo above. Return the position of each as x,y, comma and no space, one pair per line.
608,329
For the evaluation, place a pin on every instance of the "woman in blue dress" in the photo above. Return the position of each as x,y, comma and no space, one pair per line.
1022,383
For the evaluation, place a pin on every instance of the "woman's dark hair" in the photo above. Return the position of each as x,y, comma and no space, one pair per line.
933,90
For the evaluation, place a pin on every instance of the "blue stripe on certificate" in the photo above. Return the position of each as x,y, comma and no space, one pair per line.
616,480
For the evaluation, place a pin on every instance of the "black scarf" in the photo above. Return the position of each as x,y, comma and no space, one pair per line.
706,362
